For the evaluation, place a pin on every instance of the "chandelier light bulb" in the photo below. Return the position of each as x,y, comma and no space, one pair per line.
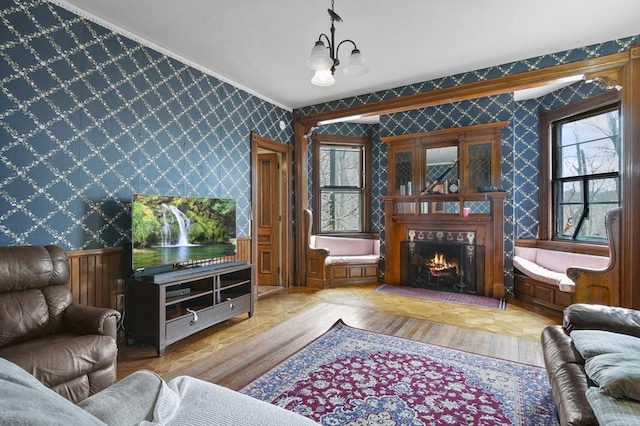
323,78
319,58
355,64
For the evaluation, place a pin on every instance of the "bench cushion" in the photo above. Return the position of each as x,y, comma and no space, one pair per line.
338,246
543,274
559,261
369,259
550,266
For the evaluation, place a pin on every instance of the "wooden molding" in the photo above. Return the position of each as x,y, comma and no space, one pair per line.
474,90
286,151
611,78
96,275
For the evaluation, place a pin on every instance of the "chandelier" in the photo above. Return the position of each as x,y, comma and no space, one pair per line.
324,59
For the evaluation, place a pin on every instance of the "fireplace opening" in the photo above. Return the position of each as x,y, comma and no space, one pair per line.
442,266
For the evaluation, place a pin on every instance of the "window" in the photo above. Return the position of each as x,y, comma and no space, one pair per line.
341,194
585,169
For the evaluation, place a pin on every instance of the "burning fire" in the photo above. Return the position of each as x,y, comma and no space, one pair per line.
439,264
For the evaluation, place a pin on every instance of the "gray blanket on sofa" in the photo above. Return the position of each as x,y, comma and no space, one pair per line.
141,398
189,401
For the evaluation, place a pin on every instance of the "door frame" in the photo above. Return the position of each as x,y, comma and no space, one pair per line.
286,230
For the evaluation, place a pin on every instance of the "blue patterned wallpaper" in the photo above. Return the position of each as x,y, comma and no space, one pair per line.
520,149
88,117
527,147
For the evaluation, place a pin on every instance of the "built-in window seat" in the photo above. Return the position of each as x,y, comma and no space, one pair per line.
547,274
340,260
541,275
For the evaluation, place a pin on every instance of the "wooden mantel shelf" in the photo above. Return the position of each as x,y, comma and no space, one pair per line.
462,196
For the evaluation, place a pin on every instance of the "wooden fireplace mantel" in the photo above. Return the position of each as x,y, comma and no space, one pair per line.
477,166
489,229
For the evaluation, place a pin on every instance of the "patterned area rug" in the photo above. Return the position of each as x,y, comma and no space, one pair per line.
354,377
443,296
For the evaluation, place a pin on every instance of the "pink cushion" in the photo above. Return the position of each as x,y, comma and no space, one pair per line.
528,253
363,259
338,246
559,261
540,273
550,266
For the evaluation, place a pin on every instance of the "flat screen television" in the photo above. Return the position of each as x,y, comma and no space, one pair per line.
168,230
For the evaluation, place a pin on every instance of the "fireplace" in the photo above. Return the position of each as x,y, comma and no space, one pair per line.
443,261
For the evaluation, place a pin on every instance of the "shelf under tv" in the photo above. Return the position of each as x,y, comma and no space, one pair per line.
192,272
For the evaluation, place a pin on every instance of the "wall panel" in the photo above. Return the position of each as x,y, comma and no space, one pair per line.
97,275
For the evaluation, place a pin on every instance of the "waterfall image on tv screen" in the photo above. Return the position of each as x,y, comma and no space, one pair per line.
173,229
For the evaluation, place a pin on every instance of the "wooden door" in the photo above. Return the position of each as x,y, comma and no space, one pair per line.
268,220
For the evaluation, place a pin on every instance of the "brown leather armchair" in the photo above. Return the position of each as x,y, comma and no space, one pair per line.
70,348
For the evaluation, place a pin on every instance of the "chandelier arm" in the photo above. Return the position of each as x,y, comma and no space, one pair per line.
326,38
345,41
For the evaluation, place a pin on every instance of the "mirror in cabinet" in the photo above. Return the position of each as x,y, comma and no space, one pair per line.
442,169
446,161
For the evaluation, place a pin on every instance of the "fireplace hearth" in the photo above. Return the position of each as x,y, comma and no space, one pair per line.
443,261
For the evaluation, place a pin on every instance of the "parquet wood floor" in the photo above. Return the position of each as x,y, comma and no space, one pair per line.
241,348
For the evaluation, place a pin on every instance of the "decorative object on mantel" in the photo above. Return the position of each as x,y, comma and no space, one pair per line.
353,376
453,186
324,59
443,296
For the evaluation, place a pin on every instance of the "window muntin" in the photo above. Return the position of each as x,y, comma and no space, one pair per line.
341,169
586,173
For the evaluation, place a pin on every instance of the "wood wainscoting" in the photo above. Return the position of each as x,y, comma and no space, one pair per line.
96,277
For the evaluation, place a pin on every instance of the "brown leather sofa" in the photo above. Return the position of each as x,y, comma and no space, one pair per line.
70,348
566,367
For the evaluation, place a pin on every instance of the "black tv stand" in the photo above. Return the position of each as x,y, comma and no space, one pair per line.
164,312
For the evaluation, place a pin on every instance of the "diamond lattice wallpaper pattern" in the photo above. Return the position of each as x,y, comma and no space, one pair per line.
90,117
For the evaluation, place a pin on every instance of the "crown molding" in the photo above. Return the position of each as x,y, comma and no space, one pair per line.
147,43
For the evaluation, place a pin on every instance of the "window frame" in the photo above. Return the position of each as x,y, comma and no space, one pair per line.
547,201
363,142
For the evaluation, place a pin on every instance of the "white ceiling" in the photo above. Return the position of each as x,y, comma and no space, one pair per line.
262,45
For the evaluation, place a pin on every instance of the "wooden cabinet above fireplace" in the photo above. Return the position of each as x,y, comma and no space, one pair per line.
419,157
461,161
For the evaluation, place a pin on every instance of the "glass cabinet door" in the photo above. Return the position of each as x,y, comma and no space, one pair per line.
402,162
479,160
404,169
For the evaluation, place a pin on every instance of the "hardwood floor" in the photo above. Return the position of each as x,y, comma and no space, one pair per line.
285,321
